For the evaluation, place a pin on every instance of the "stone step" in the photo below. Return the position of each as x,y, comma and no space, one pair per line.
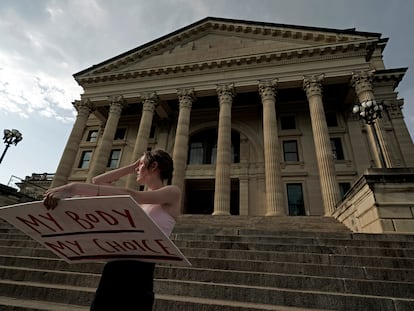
184,303
349,246
300,248
358,245
281,280
267,243
287,297
318,223
317,270
281,255
238,293
294,256
239,264
248,261
162,302
384,268
307,240
55,293
18,304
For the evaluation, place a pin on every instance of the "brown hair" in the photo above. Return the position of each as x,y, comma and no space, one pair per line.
164,161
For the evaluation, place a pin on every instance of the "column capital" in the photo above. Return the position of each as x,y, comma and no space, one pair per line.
149,96
362,81
186,97
116,104
189,92
84,107
267,88
150,101
225,92
313,85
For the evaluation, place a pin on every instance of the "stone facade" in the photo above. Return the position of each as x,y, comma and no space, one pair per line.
380,201
257,116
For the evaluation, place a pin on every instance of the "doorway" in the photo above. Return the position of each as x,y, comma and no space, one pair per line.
200,197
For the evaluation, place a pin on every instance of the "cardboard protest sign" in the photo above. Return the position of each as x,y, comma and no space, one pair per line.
95,229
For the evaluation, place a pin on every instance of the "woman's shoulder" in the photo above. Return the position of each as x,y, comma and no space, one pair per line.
173,189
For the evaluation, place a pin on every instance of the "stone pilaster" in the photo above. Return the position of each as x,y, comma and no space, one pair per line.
324,156
186,98
103,150
362,82
150,101
274,184
244,195
223,162
84,108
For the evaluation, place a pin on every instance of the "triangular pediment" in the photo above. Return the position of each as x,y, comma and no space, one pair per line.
214,46
221,40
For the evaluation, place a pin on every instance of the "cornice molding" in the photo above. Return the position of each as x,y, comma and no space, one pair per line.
326,52
389,75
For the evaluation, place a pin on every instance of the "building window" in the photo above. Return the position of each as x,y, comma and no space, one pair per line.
295,200
337,150
92,136
287,123
343,188
331,120
114,158
203,147
85,159
196,153
120,134
290,151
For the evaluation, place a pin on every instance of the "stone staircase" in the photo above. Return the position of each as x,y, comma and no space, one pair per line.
239,264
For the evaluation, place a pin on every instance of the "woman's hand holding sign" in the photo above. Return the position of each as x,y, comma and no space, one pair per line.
52,196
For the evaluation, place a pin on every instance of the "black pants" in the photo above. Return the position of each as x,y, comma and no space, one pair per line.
125,285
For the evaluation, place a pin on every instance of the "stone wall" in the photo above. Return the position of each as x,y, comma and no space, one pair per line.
380,201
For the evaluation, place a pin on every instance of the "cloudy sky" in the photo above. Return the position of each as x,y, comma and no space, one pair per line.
44,42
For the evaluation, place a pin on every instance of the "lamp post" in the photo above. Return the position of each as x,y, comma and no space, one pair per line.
10,137
369,110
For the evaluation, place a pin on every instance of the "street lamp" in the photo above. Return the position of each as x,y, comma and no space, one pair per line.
10,137
369,110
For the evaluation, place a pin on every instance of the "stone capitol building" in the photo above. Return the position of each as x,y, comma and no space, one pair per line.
261,119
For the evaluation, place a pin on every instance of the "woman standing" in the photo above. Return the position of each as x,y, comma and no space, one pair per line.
128,284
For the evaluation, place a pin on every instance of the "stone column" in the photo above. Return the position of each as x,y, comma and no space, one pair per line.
186,98
273,179
324,156
150,101
223,162
103,150
65,166
363,88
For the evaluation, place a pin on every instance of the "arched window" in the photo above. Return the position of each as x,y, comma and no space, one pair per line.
203,147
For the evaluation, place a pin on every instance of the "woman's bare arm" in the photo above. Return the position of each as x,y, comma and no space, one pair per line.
168,196
113,175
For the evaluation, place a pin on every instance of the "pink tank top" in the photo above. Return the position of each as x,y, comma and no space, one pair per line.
164,220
